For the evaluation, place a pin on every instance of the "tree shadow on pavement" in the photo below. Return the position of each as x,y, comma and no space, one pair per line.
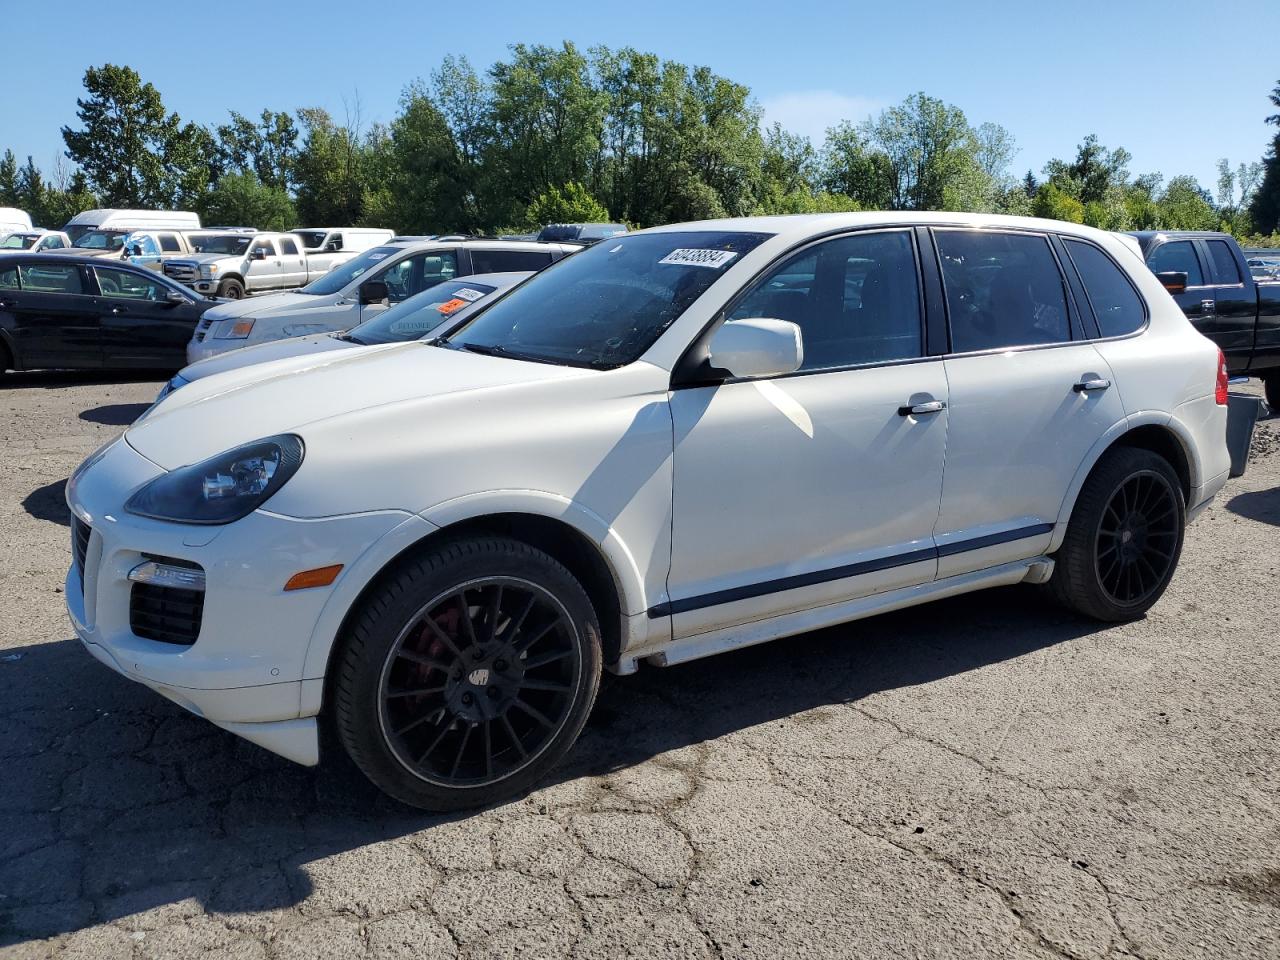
116,801
114,414
49,503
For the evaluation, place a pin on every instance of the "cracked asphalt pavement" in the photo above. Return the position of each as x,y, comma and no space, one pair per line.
983,777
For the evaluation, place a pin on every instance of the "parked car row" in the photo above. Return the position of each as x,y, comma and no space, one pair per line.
669,444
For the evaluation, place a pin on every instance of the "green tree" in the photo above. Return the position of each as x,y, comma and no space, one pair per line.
329,171
1054,203
267,148
8,180
571,203
1265,208
1094,171
31,189
929,144
124,139
1185,206
851,167
242,199
1235,193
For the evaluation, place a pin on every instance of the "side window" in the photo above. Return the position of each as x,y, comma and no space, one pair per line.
268,250
126,285
9,278
1179,256
1002,289
1116,305
50,278
415,274
169,243
52,243
1225,270
334,243
856,300
288,247
500,261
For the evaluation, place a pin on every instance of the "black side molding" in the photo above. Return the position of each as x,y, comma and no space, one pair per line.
767,587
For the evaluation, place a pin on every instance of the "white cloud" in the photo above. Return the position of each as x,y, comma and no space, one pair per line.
811,112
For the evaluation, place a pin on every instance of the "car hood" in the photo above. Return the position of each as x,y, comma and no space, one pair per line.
272,303
264,353
220,412
203,257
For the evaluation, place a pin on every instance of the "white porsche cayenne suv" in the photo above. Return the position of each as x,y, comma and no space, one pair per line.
674,443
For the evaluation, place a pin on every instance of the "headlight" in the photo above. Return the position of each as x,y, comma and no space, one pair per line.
207,270
224,488
238,330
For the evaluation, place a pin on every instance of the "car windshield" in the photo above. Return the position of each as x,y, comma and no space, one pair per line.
339,277
231,244
606,306
420,314
18,241
102,240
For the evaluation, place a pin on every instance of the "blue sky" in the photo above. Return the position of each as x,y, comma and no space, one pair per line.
1177,83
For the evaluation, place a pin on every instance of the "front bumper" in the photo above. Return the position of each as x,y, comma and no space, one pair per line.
245,671
205,286
209,347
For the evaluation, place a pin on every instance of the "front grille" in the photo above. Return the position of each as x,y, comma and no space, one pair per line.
202,328
80,533
182,272
166,614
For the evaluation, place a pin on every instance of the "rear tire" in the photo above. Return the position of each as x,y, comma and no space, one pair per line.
468,674
1272,384
231,290
1124,538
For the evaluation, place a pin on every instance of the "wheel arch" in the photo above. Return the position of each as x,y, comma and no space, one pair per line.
1158,432
7,351
600,564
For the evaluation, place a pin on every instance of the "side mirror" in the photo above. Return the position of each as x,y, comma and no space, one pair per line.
174,299
757,347
333,246
137,250
258,254
1175,281
373,291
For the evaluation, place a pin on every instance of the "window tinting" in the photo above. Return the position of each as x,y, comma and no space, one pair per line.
1116,305
288,247
9,278
50,278
1177,256
340,276
856,300
421,313
500,261
605,306
1225,270
414,274
169,243
266,246
127,285
1003,290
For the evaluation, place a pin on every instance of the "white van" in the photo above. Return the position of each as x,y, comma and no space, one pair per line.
88,220
13,220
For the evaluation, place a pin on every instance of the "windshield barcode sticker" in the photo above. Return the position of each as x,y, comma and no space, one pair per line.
715,259
466,293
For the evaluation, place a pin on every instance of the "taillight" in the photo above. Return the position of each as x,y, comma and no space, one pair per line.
1220,392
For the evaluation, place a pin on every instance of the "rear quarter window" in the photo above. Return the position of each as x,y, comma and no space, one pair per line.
1223,262
502,261
1116,305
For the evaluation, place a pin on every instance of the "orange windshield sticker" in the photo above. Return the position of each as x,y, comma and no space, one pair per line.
457,303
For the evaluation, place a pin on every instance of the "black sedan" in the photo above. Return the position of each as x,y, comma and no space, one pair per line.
83,313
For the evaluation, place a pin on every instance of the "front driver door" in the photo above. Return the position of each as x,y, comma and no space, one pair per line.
140,326
819,486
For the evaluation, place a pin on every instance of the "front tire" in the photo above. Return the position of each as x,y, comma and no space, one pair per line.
468,674
1124,538
231,290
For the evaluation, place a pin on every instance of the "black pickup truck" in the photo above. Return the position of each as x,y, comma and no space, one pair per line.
1208,276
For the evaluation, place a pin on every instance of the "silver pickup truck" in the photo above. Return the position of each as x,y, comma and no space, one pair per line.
231,265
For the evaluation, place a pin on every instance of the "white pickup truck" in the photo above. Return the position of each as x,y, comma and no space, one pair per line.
231,265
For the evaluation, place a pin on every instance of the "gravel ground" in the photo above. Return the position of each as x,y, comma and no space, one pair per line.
984,777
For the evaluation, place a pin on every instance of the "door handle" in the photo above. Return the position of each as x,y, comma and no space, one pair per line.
933,406
1085,386
116,311
1208,307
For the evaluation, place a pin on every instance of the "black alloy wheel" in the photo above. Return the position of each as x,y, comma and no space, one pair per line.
479,682
1137,538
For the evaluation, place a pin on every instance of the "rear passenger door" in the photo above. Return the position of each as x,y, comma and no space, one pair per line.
1029,396
1235,305
54,321
293,263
